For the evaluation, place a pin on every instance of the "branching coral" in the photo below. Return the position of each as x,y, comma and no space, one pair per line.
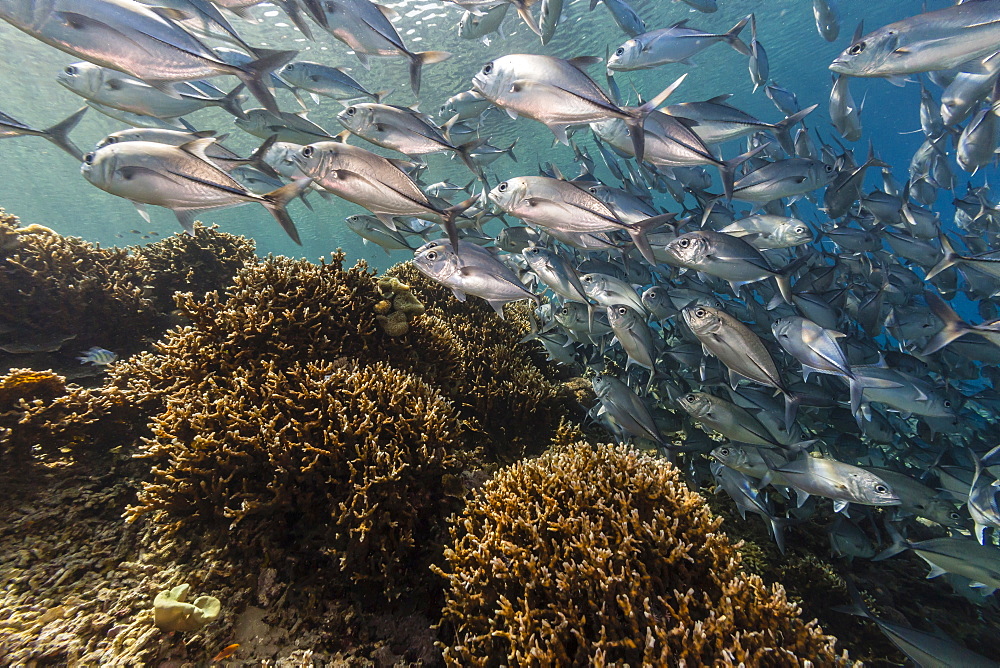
197,264
352,456
506,389
62,289
42,417
58,287
602,556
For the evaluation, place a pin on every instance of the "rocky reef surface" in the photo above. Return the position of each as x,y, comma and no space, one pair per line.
359,470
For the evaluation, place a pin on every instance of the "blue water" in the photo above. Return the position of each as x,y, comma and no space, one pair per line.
43,185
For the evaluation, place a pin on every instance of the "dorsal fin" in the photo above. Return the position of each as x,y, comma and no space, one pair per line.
196,147
583,62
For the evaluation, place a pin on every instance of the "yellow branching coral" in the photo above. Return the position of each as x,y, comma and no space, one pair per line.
42,417
197,264
505,388
601,556
353,456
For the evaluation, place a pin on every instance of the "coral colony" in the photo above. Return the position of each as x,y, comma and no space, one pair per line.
348,467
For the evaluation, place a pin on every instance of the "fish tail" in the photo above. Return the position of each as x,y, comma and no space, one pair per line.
510,150
417,62
256,159
954,326
523,8
449,215
727,169
636,117
857,607
276,201
254,75
950,259
232,103
465,153
792,402
733,36
638,233
58,134
782,129
899,544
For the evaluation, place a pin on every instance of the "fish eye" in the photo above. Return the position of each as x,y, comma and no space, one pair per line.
502,187
488,67
432,255
307,151
622,310
689,397
881,489
829,168
856,48
564,311
592,190
620,51
88,159
110,140
684,243
701,313
724,452
71,70
954,516
947,404
350,111
800,230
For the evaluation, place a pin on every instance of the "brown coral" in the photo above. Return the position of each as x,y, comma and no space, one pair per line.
43,418
197,264
507,390
602,556
60,289
352,456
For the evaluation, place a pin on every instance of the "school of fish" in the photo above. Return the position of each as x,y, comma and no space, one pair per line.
817,369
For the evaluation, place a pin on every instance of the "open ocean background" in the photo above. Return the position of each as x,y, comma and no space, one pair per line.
41,184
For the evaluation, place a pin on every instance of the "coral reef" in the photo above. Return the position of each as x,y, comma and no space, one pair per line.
197,264
506,389
44,420
62,293
60,288
599,556
351,460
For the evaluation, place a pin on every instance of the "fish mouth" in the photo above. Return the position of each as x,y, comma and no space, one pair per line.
839,66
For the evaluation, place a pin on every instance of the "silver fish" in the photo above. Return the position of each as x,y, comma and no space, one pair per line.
623,14
132,38
471,270
374,230
332,82
936,40
550,16
376,183
827,19
626,408
180,178
479,26
111,88
832,479
559,94
365,27
676,44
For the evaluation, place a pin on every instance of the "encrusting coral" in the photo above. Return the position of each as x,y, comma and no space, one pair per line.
394,316
600,556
